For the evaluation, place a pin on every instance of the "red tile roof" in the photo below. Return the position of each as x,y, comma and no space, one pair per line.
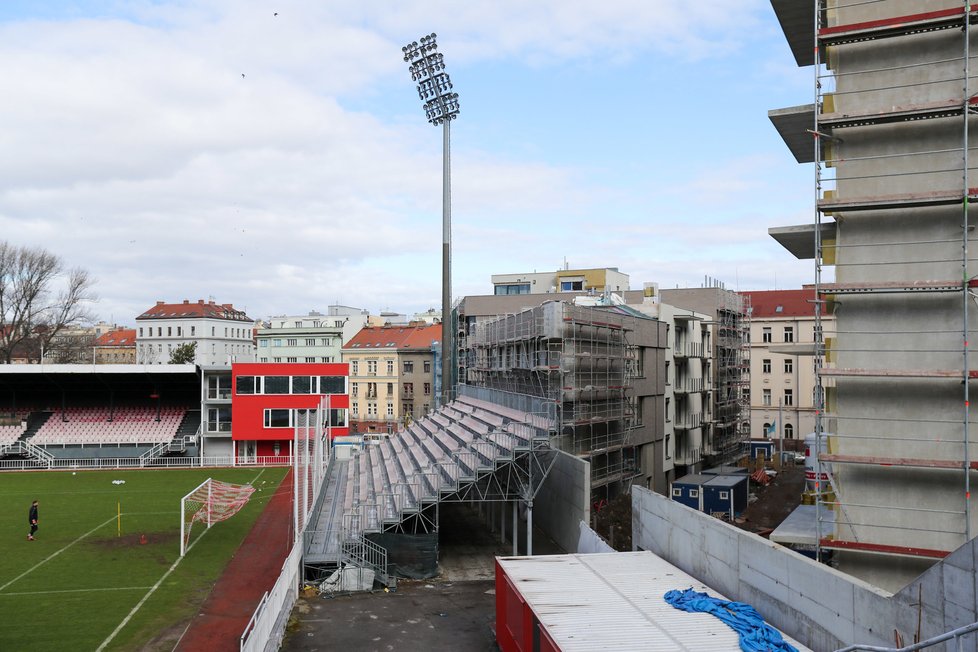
119,337
395,337
793,303
200,309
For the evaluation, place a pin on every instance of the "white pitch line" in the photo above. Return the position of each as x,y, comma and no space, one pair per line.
139,604
55,554
114,588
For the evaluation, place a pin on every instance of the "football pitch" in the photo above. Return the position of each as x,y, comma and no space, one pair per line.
94,581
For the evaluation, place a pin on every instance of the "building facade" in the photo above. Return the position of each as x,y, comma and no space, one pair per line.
782,359
116,347
311,338
393,375
607,279
222,334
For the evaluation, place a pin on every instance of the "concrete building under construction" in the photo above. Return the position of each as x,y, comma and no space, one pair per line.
894,103
600,365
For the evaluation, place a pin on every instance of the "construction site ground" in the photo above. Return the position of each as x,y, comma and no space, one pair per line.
454,611
774,502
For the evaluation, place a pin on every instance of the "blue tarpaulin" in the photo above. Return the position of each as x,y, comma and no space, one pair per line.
755,634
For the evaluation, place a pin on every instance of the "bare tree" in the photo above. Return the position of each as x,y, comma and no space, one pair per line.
39,298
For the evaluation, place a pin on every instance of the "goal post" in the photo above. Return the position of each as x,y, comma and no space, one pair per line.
211,502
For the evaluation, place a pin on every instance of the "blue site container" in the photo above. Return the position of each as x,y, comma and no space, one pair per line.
725,493
764,446
726,469
688,490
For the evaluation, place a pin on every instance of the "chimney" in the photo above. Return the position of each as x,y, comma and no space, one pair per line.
200,301
186,301
160,303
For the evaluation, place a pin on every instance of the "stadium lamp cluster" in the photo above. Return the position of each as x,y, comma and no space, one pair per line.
434,85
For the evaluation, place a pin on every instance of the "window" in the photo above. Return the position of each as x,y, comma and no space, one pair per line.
371,390
219,419
409,366
263,343
766,366
668,419
276,342
355,411
310,358
371,367
355,368
292,359
371,409
263,360
332,385
408,390
169,331
327,358
390,409
179,331
298,324
337,417
219,387
276,359
140,331
427,366
571,286
788,365
724,495
407,409
390,389
789,333
324,341
338,323
512,288
193,331
301,385
677,492
310,341
427,389
767,396
694,493
789,431
292,342
276,384
789,397
390,367
766,335
354,389
277,418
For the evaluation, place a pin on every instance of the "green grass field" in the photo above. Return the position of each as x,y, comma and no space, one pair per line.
73,586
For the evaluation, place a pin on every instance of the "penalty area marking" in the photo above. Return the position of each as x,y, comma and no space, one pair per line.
152,589
56,553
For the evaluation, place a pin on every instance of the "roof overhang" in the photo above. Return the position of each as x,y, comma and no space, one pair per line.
798,24
794,124
800,239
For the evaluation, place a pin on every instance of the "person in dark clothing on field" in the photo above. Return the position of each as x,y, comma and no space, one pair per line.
32,517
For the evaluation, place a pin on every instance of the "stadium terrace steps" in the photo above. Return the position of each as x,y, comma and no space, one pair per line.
434,457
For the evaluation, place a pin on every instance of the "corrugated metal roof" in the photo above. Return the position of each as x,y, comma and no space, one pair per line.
614,601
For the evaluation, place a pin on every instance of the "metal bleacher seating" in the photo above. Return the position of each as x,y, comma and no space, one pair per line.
388,479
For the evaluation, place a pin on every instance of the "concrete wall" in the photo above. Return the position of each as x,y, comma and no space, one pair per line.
821,607
564,500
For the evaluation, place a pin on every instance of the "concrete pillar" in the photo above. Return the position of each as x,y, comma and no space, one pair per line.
516,528
502,522
529,527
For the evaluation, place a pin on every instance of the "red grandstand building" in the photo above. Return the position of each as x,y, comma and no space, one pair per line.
268,399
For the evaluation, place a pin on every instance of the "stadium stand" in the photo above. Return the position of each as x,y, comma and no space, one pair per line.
433,457
94,426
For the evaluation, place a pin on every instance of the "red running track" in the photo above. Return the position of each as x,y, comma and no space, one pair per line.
252,571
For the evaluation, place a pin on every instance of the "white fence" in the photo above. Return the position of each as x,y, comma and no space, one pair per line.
266,629
92,463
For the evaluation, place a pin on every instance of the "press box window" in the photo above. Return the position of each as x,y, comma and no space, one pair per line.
301,385
277,418
245,384
276,384
332,385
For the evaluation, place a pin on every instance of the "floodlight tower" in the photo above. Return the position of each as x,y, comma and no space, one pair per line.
427,68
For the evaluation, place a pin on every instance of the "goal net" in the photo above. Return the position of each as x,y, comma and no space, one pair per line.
211,502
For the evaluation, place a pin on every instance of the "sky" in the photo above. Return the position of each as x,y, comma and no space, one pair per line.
275,154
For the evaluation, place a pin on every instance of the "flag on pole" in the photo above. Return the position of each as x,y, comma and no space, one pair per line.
771,429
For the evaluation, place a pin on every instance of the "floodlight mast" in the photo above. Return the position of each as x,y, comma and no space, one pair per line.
427,69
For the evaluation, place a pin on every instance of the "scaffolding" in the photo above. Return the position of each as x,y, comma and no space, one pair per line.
577,357
731,401
893,98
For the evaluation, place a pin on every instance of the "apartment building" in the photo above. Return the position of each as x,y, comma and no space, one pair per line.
393,374
309,338
116,346
607,279
222,334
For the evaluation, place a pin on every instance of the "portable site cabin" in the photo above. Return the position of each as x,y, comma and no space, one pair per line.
725,494
726,469
761,448
688,490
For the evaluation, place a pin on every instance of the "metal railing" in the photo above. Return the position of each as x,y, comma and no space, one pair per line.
957,635
267,622
95,463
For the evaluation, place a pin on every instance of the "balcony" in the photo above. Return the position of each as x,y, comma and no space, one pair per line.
689,420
